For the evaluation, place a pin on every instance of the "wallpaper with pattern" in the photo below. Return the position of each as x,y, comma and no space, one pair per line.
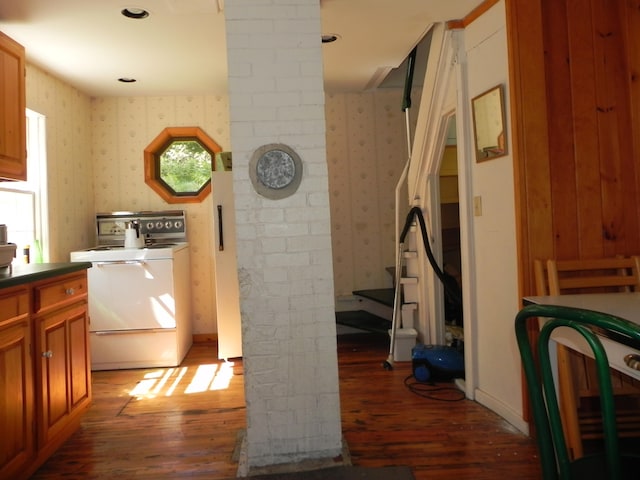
95,149
366,151
70,195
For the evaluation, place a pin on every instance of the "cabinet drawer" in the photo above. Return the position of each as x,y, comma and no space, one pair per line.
60,292
13,304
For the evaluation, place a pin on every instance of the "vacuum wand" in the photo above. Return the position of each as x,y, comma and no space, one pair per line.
388,364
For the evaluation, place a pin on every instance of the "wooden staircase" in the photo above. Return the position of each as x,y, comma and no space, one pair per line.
407,310
371,311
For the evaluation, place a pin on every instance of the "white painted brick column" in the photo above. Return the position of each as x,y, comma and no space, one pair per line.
276,95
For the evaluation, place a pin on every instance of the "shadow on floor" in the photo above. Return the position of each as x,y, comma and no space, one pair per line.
343,473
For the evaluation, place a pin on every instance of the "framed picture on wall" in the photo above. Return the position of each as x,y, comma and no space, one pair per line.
489,124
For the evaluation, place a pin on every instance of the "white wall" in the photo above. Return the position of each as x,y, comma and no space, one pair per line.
494,242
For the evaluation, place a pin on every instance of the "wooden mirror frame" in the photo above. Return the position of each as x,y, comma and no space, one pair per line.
152,162
489,124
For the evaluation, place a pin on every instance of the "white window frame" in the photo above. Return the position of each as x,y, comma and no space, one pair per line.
35,186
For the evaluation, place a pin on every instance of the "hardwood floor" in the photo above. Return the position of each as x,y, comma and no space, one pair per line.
183,423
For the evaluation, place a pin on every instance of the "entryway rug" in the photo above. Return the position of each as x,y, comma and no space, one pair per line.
342,473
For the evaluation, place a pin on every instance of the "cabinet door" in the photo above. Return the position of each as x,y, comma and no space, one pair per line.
17,443
13,145
63,373
80,360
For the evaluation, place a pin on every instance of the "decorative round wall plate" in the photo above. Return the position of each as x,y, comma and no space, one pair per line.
275,171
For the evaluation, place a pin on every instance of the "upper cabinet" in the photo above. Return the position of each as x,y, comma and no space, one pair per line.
13,144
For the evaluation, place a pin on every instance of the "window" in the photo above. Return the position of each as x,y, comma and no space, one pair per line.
23,204
178,163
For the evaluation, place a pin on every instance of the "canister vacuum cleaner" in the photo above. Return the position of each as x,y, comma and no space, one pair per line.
431,363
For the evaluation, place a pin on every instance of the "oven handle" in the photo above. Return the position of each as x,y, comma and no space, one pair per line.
120,262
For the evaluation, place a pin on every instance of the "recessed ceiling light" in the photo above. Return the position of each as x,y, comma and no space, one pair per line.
136,13
329,38
127,80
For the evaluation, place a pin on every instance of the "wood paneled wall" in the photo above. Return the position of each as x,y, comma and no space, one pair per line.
575,105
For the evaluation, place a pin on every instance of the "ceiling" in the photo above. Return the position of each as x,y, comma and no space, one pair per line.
180,48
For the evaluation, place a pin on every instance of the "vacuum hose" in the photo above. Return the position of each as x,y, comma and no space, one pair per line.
417,212
450,285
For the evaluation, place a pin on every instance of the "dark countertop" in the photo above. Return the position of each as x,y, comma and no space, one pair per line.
33,272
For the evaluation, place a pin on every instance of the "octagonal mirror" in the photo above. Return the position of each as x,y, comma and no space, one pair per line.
178,163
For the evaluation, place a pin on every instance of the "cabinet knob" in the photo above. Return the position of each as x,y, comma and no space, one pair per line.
69,291
47,354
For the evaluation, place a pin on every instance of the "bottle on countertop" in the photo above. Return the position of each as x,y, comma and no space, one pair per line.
37,252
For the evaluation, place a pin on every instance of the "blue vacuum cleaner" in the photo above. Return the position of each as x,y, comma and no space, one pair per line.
433,363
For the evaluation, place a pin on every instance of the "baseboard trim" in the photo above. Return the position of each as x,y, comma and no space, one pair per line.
514,418
203,338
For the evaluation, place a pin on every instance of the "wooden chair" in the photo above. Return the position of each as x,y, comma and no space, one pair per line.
600,274
576,373
611,462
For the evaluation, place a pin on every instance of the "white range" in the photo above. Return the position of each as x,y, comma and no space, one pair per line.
139,298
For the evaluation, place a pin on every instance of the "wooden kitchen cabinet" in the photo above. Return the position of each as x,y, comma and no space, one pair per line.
62,362
45,367
64,373
13,144
17,411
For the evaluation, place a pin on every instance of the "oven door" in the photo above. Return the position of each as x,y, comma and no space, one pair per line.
128,295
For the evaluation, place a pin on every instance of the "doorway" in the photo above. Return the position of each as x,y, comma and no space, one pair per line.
449,209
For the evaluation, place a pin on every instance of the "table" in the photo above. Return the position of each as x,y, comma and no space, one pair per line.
624,304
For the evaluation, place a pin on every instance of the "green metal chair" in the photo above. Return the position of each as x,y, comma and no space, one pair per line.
610,464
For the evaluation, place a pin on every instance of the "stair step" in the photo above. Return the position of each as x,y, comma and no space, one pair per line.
364,321
409,314
384,296
409,280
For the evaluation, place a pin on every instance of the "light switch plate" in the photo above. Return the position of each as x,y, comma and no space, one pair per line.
477,206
